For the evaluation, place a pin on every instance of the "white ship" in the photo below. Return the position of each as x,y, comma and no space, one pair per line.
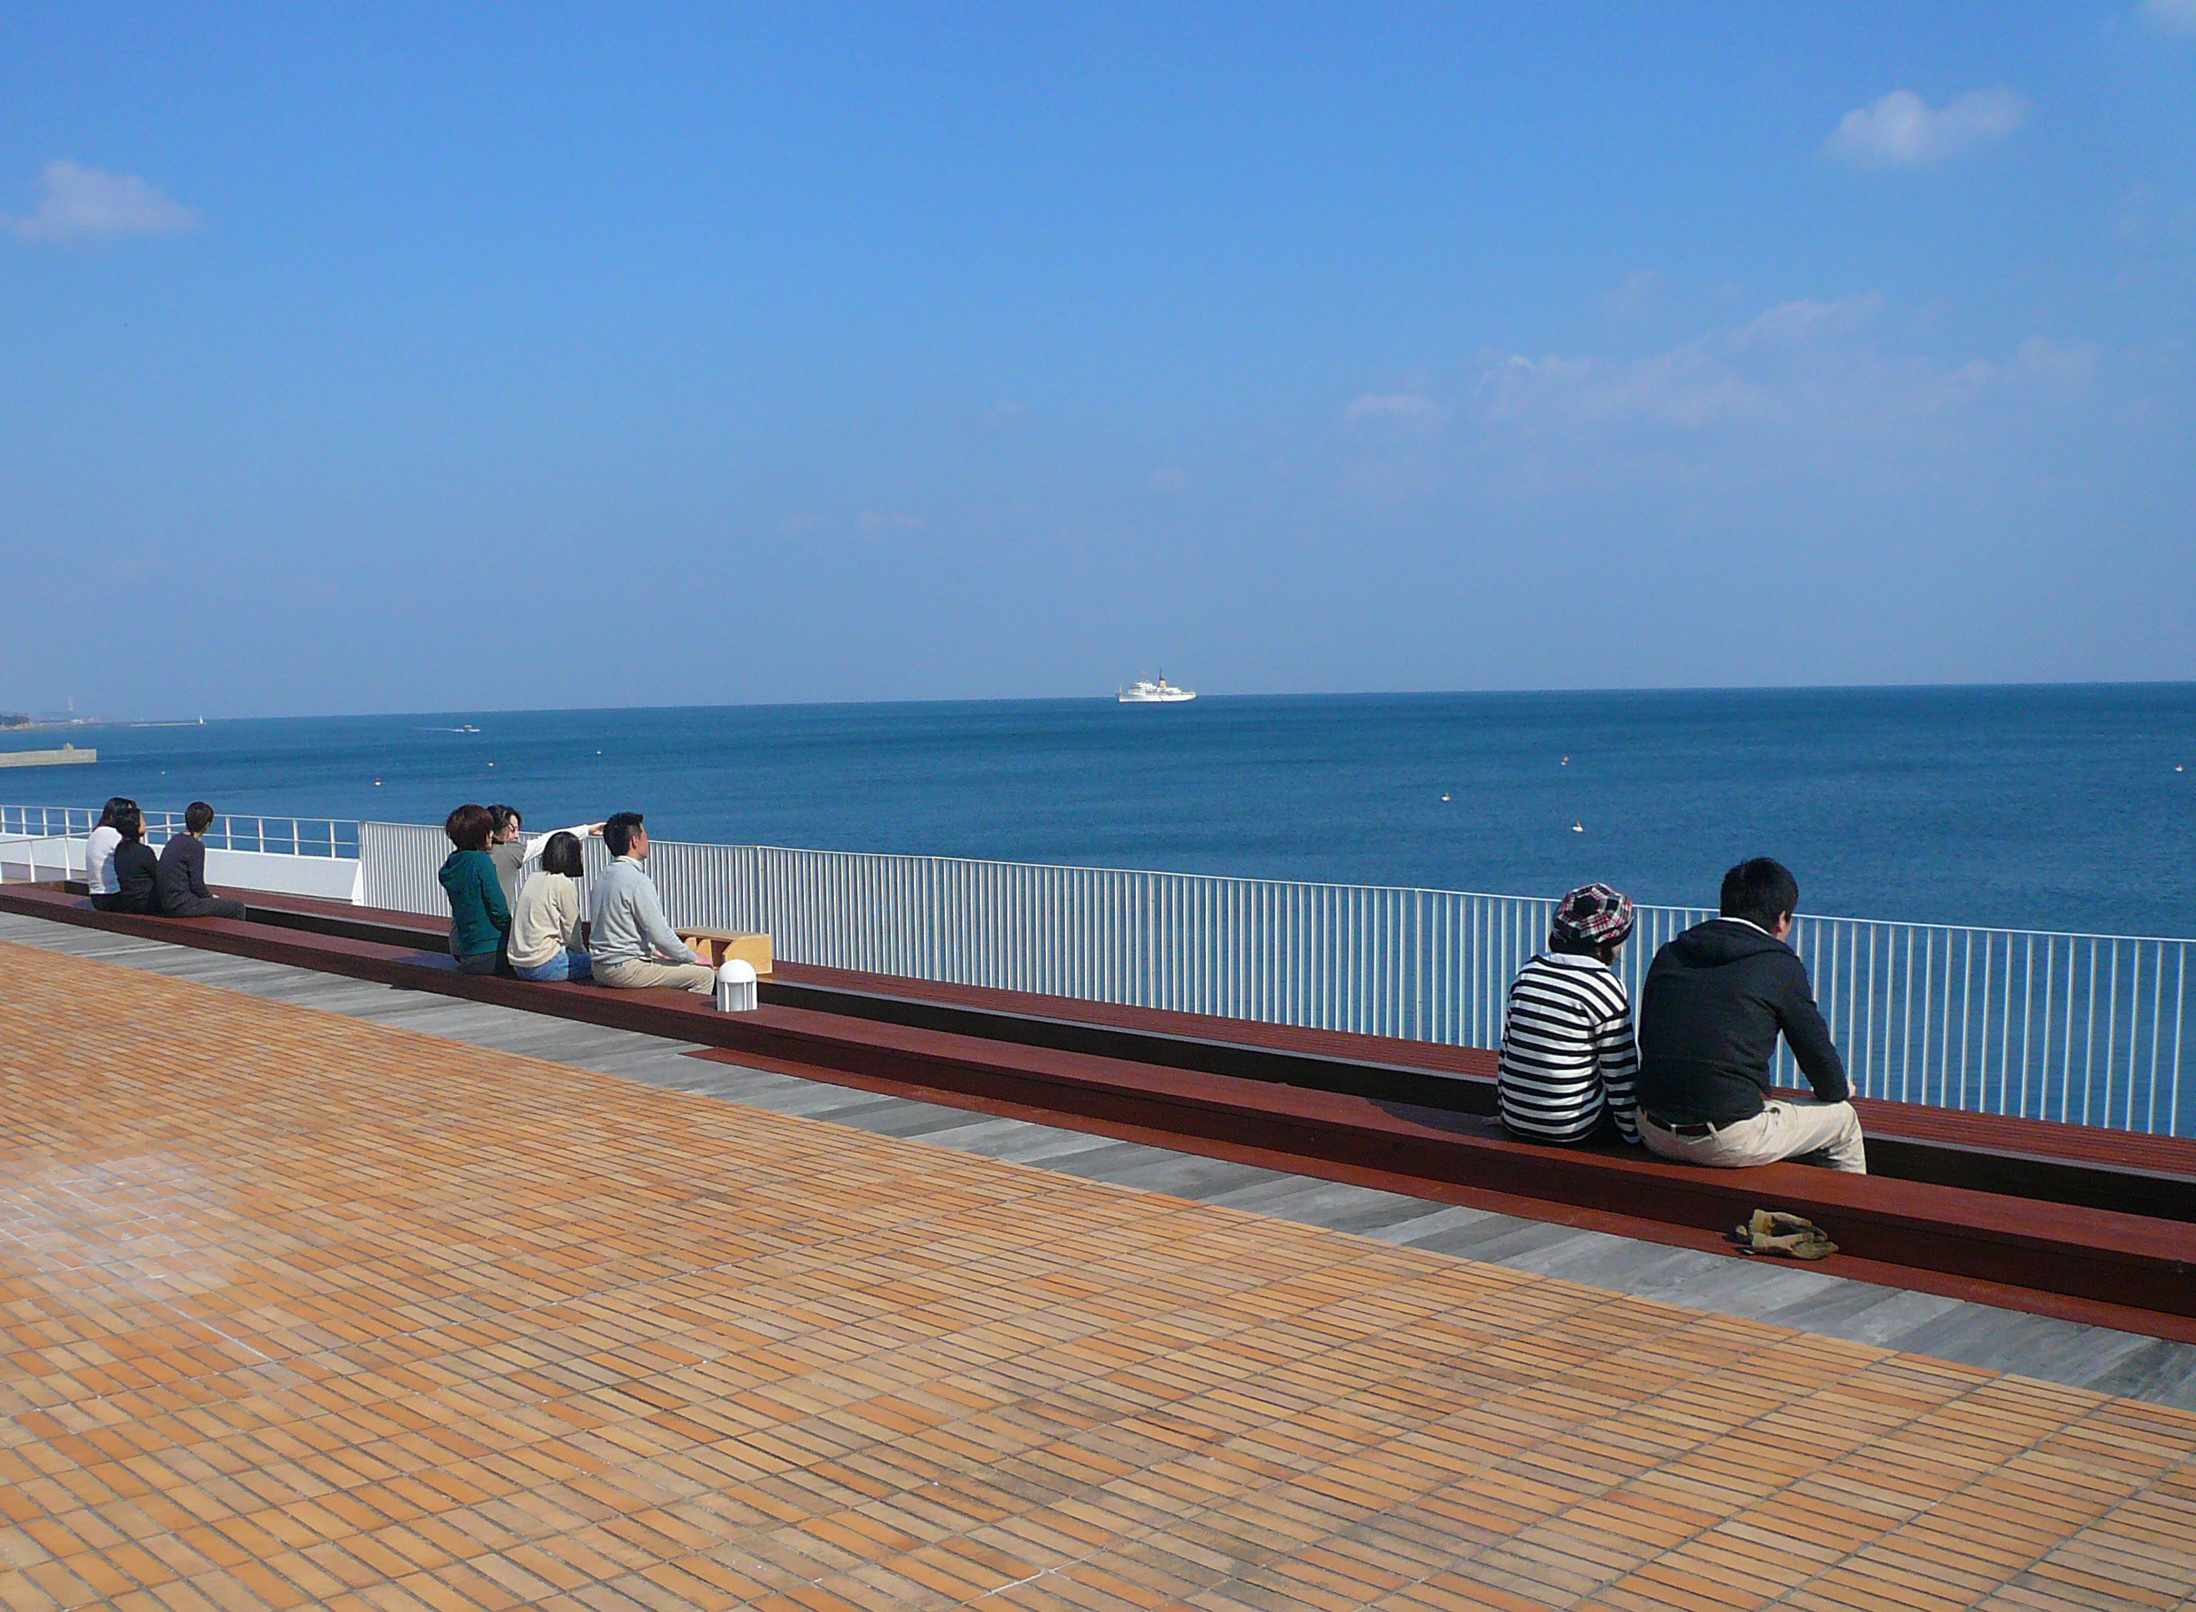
1146,692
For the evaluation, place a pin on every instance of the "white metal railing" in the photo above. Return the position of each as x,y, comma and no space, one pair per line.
2093,1029
235,831
36,857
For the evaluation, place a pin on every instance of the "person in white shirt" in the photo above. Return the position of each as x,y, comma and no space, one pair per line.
548,941
99,876
510,849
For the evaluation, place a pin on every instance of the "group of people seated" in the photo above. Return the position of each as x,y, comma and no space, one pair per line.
124,875
1693,1083
532,928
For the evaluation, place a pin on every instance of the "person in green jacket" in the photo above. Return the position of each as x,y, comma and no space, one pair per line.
480,922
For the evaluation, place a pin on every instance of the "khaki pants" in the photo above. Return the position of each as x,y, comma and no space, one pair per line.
1780,1131
699,978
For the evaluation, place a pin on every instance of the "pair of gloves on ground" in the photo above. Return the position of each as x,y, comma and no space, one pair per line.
1772,1231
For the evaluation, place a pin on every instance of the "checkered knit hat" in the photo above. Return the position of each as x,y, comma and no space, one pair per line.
1595,914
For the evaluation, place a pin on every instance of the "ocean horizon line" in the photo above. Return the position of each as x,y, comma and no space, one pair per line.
53,724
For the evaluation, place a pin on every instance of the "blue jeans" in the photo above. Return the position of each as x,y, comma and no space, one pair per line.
563,966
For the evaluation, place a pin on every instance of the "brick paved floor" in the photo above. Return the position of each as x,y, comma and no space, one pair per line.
296,1310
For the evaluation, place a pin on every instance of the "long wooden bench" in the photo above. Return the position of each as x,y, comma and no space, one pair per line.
2026,1158
2097,1261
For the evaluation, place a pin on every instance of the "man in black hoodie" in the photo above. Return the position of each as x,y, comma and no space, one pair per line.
1710,1011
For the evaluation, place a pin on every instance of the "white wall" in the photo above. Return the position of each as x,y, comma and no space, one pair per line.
22,855
329,878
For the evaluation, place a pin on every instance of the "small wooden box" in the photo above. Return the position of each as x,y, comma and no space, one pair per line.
713,946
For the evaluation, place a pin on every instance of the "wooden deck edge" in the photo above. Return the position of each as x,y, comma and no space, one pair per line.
1612,1222
1446,1076
2094,1254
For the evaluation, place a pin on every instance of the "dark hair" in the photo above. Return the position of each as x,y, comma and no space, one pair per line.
617,831
197,817
1760,891
505,816
115,803
129,822
469,827
1571,946
562,855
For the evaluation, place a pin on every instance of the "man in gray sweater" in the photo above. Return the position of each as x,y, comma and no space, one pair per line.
629,943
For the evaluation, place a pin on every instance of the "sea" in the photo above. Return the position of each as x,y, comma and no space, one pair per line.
2049,807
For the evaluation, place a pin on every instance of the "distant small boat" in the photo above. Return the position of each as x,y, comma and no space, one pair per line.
1578,828
1146,692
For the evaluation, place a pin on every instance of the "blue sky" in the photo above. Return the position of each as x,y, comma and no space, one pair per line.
376,358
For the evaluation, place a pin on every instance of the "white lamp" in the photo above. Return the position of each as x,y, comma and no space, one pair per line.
735,986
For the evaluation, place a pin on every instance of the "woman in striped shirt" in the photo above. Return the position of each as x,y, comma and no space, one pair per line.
1568,1052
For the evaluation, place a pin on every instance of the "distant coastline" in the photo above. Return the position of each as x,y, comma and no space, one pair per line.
79,723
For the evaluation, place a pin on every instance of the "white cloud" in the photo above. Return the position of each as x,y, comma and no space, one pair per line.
1631,297
83,204
2171,16
1802,385
1901,130
1407,410
2053,363
1814,368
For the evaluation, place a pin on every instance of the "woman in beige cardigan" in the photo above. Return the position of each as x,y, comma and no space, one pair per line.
548,940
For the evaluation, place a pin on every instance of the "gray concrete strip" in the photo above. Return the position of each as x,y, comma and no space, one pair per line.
2066,1352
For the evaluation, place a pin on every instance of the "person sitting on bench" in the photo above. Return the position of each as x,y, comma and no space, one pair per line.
628,940
182,876
548,941
99,853
1567,1052
136,868
512,848
479,921
1710,1011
